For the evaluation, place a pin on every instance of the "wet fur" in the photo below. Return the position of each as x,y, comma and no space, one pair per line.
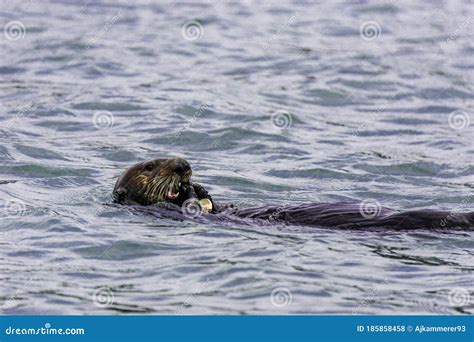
145,187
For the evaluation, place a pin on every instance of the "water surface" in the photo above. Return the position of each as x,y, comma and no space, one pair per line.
271,103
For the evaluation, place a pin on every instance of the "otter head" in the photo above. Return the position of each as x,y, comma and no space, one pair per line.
153,181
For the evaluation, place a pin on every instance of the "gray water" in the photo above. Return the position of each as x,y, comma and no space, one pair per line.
271,103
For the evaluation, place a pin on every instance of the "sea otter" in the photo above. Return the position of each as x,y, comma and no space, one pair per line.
168,181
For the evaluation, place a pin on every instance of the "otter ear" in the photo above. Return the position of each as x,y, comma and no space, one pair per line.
119,195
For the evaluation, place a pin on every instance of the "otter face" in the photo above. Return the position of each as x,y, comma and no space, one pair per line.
152,181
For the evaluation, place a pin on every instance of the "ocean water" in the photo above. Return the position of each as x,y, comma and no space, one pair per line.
271,103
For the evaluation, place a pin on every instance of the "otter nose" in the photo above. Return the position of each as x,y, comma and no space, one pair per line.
182,166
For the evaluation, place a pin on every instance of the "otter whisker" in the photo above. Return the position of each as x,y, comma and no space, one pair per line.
161,188
158,193
152,191
165,185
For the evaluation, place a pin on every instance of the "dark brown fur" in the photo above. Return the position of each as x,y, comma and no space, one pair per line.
148,182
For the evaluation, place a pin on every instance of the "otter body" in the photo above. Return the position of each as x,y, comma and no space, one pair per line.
169,181
350,216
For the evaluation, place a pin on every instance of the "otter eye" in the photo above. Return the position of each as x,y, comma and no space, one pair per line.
149,167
